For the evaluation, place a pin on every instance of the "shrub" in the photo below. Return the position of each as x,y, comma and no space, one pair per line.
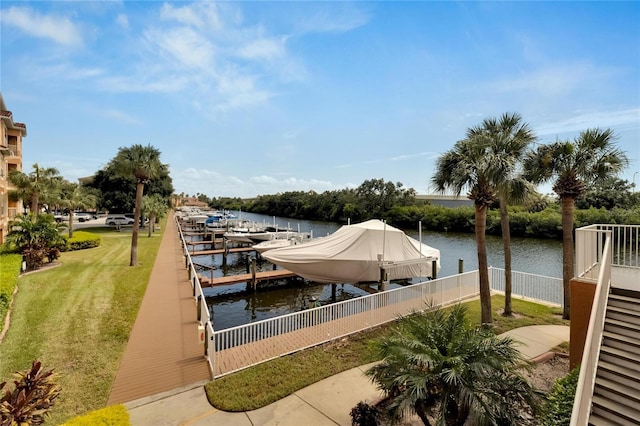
557,410
31,399
9,270
114,415
364,414
82,240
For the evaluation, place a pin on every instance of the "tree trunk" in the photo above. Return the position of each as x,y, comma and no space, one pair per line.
34,205
421,411
506,243
136,224
70,223
483,267
567,253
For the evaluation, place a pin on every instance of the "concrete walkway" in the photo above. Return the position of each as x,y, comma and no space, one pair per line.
327,402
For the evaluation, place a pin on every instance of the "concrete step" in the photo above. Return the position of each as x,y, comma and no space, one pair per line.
623,314
619,341
614,412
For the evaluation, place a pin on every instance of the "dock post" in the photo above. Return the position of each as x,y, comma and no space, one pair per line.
224,253
434,270
253,273
199,308
247,264
460,266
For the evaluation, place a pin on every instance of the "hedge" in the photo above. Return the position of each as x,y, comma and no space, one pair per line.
114,415
82,240
9,271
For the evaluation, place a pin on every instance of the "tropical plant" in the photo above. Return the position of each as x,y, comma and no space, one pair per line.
510,137
142,163
154,207
438,365
588,159
31,399
39,187
74,196
557,409
474,164
36,237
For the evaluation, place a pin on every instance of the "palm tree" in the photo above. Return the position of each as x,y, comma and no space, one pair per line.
438,365
74,197
510,137
473,164
36,237
154,207
142,163
590,158
37,188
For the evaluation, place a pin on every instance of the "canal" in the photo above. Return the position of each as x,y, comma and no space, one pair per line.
237,304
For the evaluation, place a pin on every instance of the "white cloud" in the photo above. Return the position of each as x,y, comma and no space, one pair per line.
57,28
626,118
120,116
203,15
190,48
263,48
123,21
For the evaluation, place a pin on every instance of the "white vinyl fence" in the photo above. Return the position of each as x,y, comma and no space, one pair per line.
249,344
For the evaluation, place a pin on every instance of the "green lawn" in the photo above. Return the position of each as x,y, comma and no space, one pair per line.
76,318
265,383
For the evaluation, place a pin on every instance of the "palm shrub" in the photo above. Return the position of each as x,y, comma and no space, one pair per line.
36,237
31,399
439,366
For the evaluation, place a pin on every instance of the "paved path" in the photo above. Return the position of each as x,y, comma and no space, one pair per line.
163,353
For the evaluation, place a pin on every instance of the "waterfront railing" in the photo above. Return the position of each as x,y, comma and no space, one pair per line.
242,346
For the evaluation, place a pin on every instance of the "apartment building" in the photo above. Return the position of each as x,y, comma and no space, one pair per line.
10,159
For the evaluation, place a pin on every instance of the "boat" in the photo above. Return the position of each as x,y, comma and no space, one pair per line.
362,252
292,239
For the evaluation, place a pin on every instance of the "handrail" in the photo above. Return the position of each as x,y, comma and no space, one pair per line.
586,380
203,311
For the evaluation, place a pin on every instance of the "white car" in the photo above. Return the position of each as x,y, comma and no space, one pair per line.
82,217
118,220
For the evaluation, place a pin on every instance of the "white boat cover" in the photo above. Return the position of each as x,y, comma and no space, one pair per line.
355,253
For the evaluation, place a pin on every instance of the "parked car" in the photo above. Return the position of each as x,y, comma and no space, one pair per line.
118,220
61,217
82,217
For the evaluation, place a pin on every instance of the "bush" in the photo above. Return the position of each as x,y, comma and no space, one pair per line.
31,399
114,415
82,240
364,414
557,410
9,271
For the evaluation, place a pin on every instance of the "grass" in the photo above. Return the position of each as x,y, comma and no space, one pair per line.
265,383
76,318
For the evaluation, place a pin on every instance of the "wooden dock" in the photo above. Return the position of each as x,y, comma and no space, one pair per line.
248,278
220,251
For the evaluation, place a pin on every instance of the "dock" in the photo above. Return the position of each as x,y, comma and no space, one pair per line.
248,278
220,251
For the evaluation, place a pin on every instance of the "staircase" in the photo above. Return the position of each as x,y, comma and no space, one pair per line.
616,394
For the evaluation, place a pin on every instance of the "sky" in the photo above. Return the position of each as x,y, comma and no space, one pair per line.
251,98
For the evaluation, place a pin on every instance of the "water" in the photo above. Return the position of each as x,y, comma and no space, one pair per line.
237,304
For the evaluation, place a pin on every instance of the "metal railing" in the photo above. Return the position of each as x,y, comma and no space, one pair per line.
625,248
343,318
528,286
591,353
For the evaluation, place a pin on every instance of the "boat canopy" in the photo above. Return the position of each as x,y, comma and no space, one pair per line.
358,253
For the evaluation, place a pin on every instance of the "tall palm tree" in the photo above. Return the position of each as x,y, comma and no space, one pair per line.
142,163
510,138
474,165
37,188
591,157
74,196
438,365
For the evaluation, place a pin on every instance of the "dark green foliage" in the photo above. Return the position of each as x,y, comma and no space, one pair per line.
31,399
364,414
36,237
557,409
82,240
438,364
609,193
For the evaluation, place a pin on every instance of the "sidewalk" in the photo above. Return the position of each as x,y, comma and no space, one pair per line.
327,402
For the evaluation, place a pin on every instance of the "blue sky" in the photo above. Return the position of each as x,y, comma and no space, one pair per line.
249,98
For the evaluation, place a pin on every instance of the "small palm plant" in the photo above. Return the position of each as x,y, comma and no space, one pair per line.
440,367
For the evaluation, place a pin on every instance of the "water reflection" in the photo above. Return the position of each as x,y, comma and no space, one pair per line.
239,304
